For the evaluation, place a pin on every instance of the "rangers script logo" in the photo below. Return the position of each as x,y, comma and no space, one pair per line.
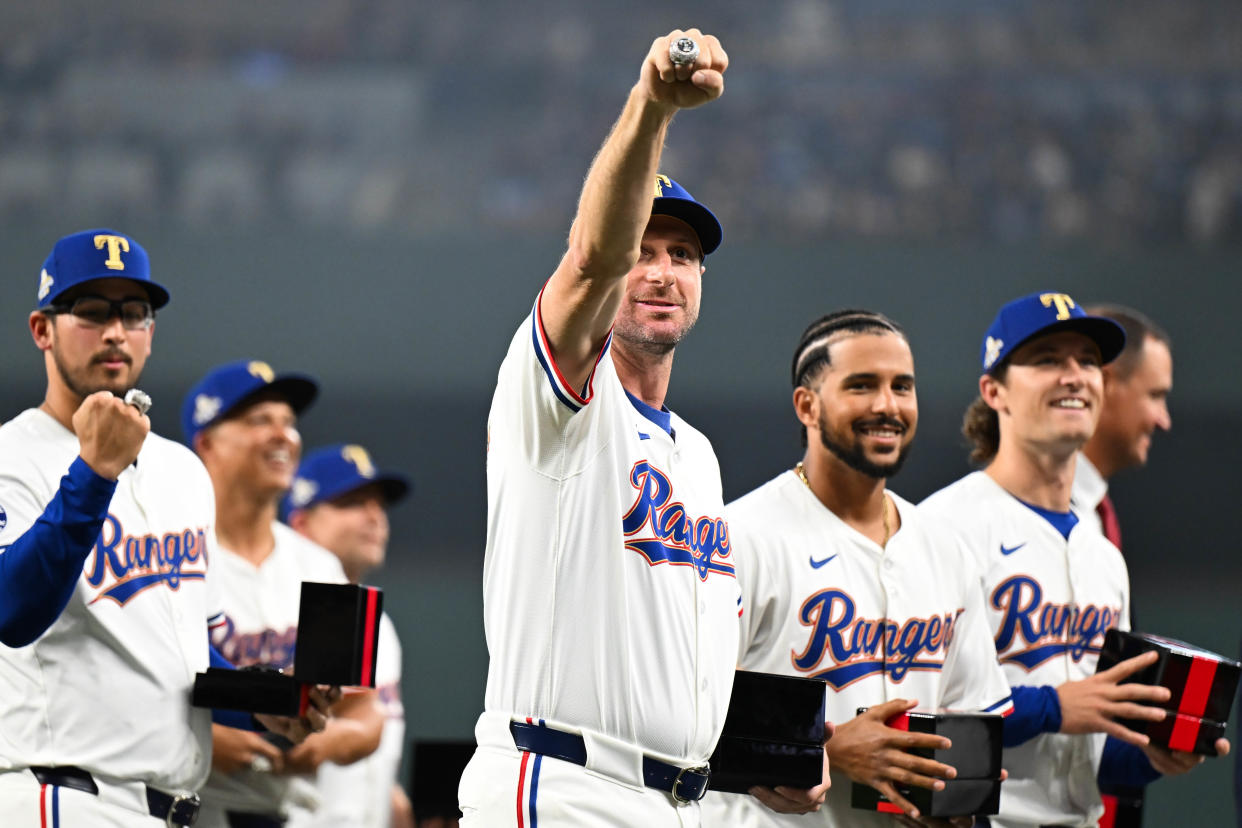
859,647
1047,630
124,565
680,540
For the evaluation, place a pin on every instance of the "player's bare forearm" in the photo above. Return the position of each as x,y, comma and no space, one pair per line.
584,293
351,734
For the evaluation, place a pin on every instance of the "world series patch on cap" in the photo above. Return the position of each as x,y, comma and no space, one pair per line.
1039,314
96,254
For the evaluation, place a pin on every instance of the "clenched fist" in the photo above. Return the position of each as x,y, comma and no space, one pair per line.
110,433
688,86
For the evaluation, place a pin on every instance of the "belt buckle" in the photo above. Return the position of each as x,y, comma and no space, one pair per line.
706,770
174,819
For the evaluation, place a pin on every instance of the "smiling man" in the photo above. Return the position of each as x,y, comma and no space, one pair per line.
609,599
241,419
825,550
1052,586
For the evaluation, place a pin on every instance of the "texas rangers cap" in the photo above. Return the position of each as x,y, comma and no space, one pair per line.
231,386
672,199
1043,313
332,471
96,254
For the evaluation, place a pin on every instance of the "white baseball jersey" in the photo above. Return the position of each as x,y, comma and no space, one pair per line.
876,623
360,795
260,626
1048,602
610,602
107,686
1090,489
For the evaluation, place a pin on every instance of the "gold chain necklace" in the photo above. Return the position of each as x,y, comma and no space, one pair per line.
800,470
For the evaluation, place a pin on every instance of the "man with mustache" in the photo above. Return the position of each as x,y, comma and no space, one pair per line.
105,536
824,552
241,420
1052,586
610,605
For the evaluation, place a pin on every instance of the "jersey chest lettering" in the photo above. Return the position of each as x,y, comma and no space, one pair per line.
124,565
860,647
266,647
672,536
1033,630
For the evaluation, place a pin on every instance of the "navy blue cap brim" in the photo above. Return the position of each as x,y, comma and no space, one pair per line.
296,389
394,487
1108,336
157,294
700,219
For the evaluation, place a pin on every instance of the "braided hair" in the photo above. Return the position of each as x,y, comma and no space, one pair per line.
811,356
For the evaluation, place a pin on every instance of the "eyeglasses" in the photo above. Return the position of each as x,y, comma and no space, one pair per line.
96,311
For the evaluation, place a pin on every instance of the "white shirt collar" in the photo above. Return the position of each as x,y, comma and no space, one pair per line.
1090,487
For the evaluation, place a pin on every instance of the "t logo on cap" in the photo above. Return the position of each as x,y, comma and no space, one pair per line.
661,182
1061,300
115,245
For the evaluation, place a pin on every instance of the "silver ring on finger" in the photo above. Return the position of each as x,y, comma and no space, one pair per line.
140,400
683,51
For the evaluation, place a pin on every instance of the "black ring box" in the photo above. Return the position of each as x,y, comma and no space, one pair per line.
338,637
773,734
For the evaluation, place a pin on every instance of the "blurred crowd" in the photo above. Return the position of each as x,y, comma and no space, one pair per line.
1005,120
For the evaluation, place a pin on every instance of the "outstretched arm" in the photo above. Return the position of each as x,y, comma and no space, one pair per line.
583,295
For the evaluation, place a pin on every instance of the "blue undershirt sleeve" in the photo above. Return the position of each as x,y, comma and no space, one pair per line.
39,570
1036,710
1125,764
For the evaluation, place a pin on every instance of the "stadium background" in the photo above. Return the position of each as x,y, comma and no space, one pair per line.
374,191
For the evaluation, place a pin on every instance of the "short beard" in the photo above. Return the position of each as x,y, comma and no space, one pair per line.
81,389
638,339
854,457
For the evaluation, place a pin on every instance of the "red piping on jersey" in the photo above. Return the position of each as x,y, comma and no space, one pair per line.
522,782
547,349
43,806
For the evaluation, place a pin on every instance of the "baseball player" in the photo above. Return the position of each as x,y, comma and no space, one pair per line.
340,501
1051,586
105,532
610,602
1136,390
241,420
845,581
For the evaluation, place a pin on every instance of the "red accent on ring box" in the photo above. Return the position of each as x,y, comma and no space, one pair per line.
338,642
1202,683
338,632
976,738
959,797
1187,733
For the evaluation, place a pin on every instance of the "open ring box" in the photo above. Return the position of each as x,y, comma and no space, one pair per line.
338,636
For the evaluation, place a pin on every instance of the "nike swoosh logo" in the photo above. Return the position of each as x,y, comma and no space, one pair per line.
817,564
1009,550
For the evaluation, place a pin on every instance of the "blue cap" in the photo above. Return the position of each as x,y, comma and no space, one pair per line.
1043,313
96,254
229,387
332,471
672,199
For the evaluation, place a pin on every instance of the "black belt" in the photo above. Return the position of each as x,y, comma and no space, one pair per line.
245,819
179,810
685,784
